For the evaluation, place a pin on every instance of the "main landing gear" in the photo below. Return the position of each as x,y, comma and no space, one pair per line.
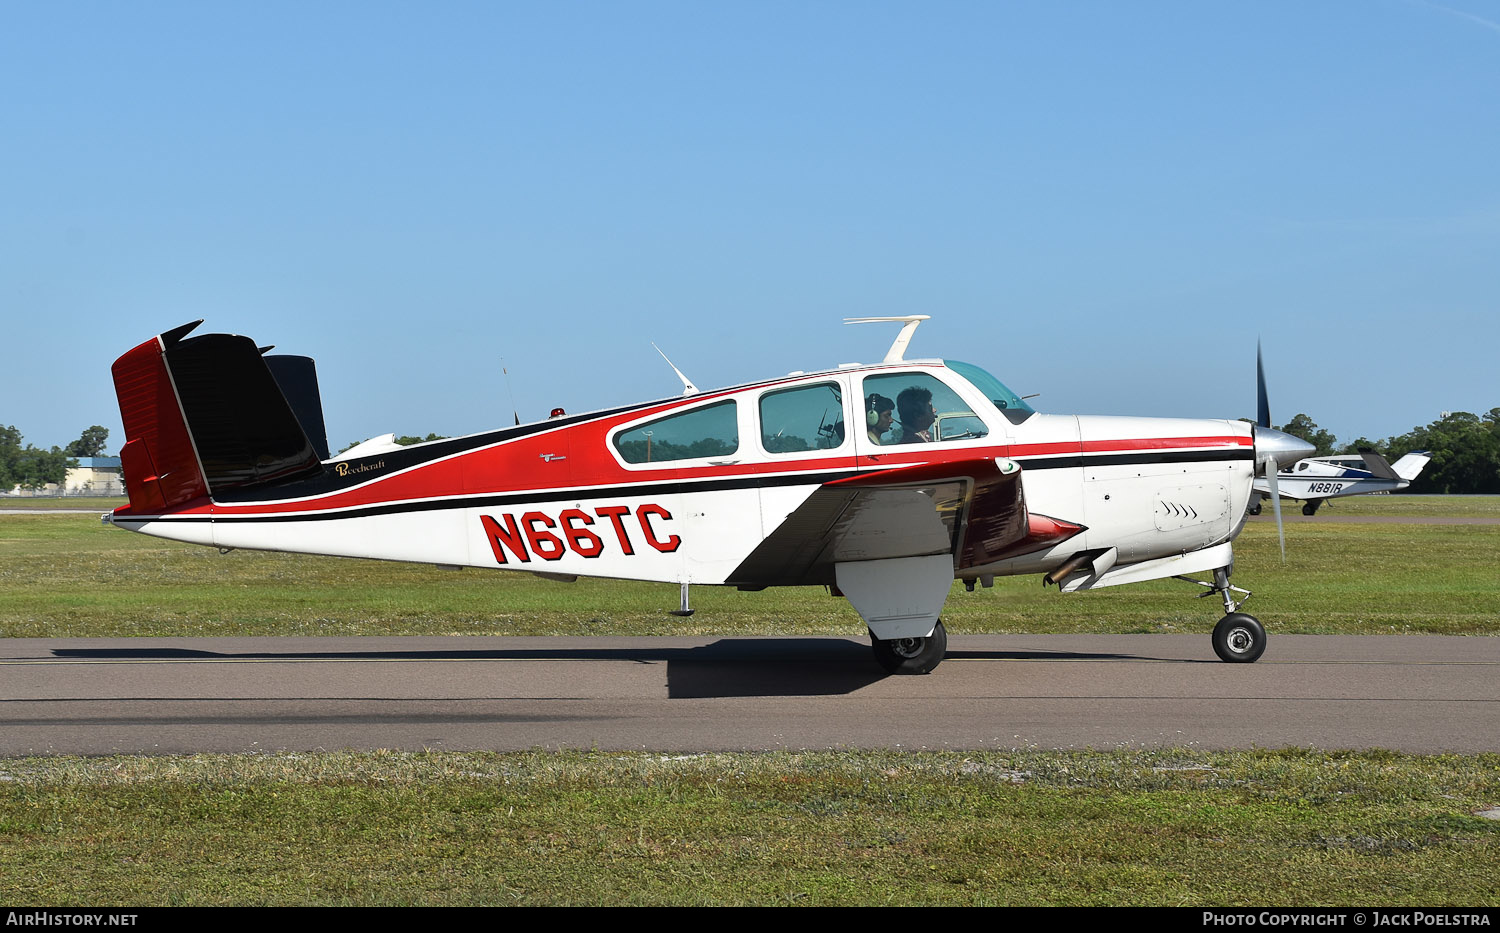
1239,638
1310,507
911,655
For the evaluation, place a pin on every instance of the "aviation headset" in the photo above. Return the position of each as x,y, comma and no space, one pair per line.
875,403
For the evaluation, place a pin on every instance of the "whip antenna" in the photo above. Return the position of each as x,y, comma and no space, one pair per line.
514,410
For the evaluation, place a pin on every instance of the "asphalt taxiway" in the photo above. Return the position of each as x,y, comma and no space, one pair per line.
1422,694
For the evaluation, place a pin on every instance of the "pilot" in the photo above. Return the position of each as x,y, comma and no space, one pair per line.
878,416
917,415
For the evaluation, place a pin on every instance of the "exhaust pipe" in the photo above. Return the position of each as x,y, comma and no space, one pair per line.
1096,561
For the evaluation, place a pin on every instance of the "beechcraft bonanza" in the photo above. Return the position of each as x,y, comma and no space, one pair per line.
841,478
1316,479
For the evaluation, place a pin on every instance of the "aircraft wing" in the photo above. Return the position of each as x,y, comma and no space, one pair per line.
973,510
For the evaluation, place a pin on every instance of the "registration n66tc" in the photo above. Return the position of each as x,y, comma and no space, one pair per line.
585,532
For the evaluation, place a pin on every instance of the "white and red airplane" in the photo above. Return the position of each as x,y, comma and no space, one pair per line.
835,478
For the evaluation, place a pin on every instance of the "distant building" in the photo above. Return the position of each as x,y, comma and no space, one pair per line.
94,476
99,476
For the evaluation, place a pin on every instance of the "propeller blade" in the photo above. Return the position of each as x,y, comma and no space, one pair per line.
1273,447
1276,503
1262,404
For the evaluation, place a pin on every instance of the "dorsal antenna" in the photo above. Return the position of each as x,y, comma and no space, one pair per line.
687,384
897,352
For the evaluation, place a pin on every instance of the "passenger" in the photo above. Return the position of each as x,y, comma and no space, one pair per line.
917,415
878,416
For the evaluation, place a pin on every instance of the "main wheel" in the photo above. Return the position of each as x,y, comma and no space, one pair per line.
1254,508
1239,638
1310,508
911,655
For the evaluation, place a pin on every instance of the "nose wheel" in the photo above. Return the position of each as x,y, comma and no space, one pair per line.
1239,638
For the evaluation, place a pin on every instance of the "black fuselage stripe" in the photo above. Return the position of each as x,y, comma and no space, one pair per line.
691,486
1082,460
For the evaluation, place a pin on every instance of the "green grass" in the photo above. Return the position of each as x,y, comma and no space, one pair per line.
1175,827
70,576
1420,506
91,503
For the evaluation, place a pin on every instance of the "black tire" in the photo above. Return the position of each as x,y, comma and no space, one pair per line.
1254,509
1310,508
1239,638
911,655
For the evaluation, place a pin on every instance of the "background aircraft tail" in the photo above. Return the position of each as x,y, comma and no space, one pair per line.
1410,465
212,413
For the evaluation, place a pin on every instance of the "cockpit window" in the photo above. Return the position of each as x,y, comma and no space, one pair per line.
917,408
1015,408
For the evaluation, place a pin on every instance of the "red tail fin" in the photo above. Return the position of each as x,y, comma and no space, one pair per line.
159,462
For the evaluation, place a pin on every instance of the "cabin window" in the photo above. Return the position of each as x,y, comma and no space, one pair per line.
923,410
802,419
710,431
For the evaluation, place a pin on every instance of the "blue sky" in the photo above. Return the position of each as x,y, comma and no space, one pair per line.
1105,203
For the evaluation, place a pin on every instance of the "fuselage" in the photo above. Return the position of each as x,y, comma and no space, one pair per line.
685,489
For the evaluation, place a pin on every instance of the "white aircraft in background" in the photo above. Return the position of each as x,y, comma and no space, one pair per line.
1315,479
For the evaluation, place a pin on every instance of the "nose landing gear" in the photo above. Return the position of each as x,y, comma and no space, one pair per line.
1239,638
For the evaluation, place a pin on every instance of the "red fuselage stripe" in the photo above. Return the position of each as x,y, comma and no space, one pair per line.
437,480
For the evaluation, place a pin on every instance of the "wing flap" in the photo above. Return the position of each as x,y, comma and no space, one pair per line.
973,510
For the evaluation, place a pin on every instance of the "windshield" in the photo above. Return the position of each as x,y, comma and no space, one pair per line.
1015,408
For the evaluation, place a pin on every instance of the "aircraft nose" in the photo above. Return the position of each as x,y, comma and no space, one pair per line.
1285,448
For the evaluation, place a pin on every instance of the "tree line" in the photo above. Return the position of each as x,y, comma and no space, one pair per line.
1465,450
31,467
